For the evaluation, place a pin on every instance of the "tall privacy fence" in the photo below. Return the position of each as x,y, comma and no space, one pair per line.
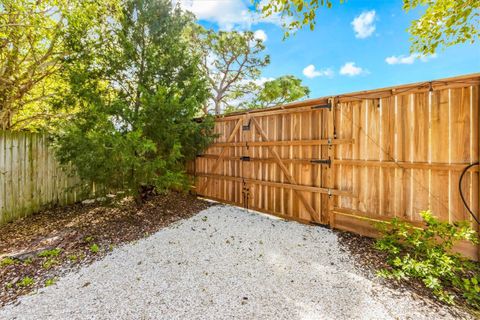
350,160
31,178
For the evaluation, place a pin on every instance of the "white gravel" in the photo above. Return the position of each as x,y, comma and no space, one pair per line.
224,263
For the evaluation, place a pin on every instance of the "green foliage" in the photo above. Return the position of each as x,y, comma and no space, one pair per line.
26,282
444,23
138,86
94,248
6,262
49,263
50,253
50,282
425,254
276,92
232,61
32,50
295,13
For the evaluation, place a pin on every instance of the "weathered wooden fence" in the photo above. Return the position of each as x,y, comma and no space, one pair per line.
30,177
353,159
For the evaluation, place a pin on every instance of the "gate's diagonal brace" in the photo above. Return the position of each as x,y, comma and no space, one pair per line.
204,186
285,171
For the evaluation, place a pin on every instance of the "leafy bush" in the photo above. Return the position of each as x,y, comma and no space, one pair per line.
426,254
25,282
94,248
50,253
6,262
138,86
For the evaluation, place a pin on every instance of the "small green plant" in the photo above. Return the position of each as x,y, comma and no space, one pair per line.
94,248
49,263
73,257
50,282
50,253
27,261
426,254
6,262
89,239
25,282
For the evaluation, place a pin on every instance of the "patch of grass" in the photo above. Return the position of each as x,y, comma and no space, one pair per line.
50,253
73,257
94,248
27,262
6,262
50,282
26,282
88,239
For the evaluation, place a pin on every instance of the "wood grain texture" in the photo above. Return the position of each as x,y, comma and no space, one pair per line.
31,178
394,153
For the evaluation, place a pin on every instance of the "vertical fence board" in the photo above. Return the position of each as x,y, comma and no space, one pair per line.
31,178
394,151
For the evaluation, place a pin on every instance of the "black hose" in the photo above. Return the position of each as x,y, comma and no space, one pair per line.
461,193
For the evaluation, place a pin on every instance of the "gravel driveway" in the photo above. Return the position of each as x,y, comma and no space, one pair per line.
225,263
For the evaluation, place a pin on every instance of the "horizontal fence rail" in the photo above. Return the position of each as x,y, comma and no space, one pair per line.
349,161
31,178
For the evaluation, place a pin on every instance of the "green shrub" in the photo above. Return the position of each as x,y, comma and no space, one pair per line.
50,253
50,282
6,262
94,248
426,254
25,282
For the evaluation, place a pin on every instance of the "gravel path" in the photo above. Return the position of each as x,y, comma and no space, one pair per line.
225,263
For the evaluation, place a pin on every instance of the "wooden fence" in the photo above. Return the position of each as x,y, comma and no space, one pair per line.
353,159
30,177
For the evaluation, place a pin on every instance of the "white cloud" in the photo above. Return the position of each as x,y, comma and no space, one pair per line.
260,35
402,59
310,72
227,14
364,24
350,69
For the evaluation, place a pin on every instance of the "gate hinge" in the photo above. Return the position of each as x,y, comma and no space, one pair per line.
324,106
247,126
329,193
245,158
323,161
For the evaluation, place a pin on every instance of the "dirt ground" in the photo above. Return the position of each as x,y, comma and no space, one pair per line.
42,247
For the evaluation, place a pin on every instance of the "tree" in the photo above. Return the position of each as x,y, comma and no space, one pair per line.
276,92
444,23
138,87
231,60
32,35
282,90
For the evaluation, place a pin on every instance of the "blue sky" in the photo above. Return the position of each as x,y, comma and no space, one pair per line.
340,56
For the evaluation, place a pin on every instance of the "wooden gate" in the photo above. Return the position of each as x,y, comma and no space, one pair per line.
279,163
354,159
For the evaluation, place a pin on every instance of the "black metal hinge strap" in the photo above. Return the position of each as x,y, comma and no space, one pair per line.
247,126
245,158
324,106
322,161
